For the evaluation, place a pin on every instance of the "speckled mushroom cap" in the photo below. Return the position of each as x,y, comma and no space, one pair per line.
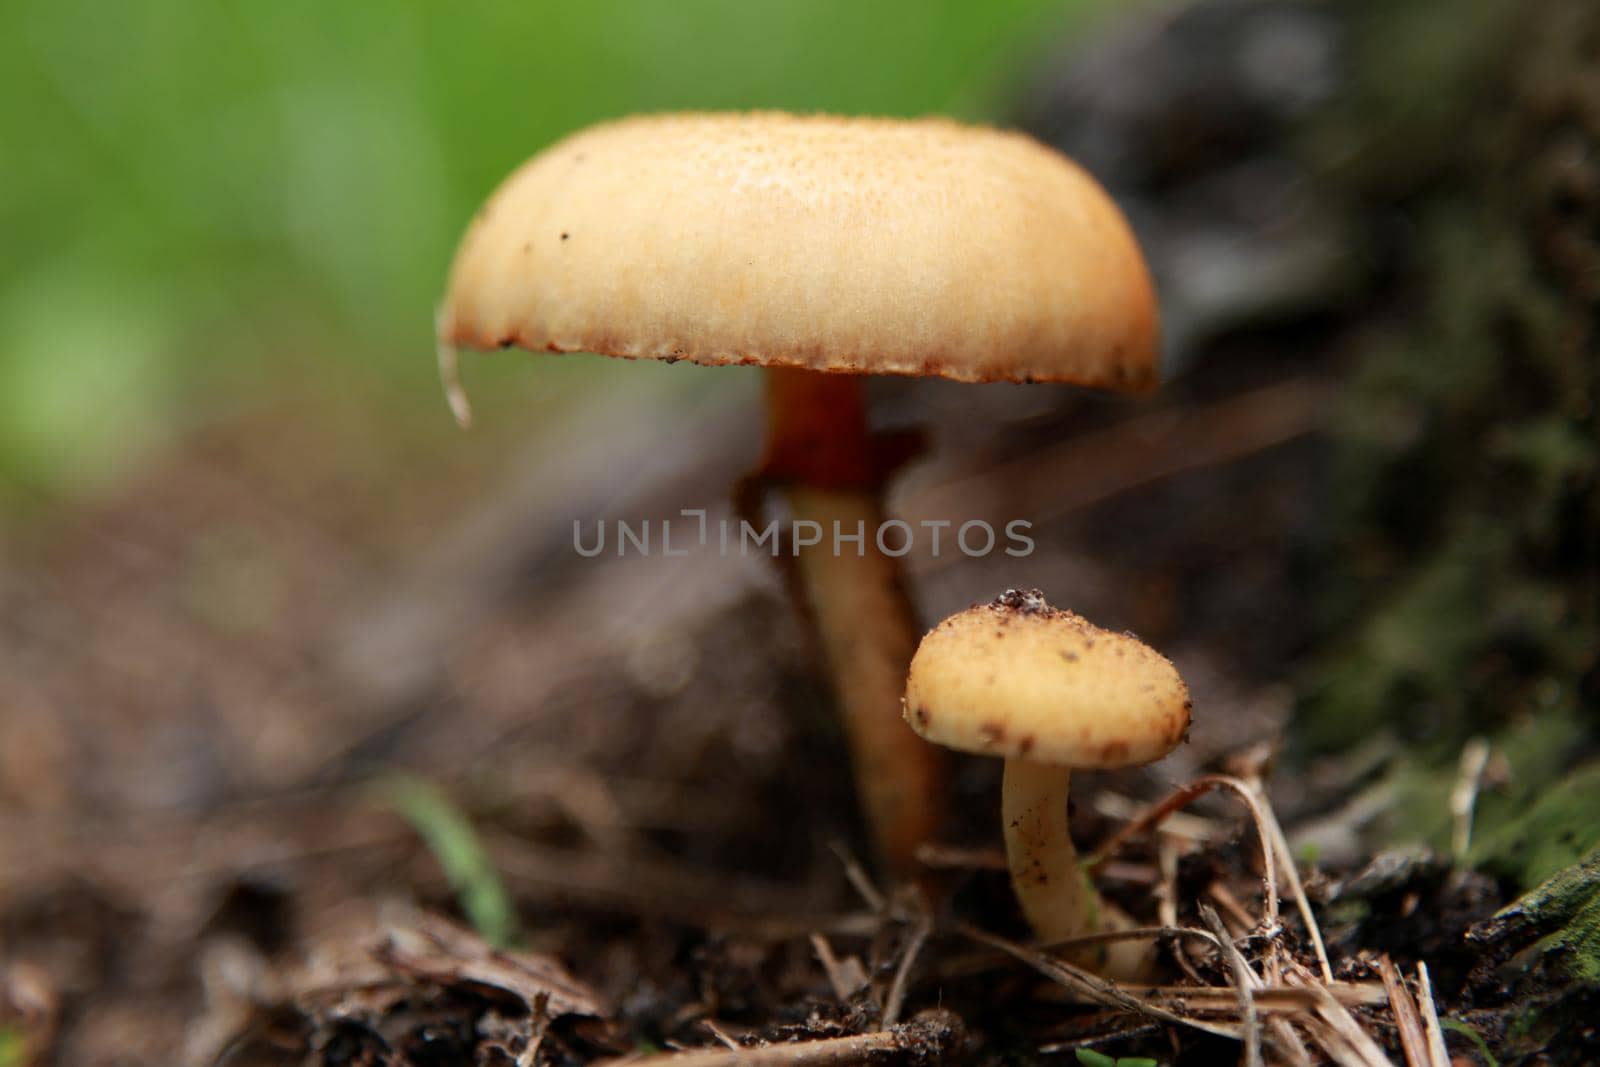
1017,678
883,246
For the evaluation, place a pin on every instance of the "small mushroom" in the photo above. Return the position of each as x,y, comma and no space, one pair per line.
823,249
1048,691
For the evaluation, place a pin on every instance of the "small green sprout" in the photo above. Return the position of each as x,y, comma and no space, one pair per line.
1090,1058
450,837
1456,1026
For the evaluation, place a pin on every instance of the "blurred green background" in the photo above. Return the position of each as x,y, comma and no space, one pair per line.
201,200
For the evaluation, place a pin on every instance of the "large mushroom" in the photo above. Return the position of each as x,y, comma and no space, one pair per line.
823,249
1049,692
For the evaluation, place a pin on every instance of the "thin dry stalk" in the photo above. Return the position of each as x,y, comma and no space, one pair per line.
928,1036
1180,823
1343,1033
1333,1043
1132,453
720,1034
1271,1000
1406,1019
1133,933
1101,1037
1244,983
1240,920
1438,1055
978,963
1093,986
1287,1042
1464,796
908,958
1186,795
1167,901
773,928
1291,874
937,857
859,879
845,977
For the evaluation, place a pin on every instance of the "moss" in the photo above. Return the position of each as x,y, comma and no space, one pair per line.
1561,916
1462,589
1555,830
1534,822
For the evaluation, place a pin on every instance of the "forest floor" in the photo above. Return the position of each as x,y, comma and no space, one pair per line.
320,744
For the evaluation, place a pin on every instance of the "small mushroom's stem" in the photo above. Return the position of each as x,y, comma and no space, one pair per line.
1054,890
1051,887
820,452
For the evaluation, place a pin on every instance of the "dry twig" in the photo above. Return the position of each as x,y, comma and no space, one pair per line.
720,1034
859,879
1464,796
1406,1019
1167,901
1093,986
1244,983
844,976
896,999
1341,1036
1271,1000
1291,874
1438,1055
929,1036
1186,795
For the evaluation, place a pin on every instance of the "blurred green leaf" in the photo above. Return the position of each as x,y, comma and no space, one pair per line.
1456,1026
190,189
453,842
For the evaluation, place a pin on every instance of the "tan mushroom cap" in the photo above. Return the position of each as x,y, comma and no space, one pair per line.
882,246
1021,680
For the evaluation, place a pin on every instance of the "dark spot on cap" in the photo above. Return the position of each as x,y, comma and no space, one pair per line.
993,732
922,716
1115,751
565,235
1070,657
1025,746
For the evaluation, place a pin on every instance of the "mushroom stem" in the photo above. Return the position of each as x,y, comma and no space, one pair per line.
821,453
1050,885
1054,890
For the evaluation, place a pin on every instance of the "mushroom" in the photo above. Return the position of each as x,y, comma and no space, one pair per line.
823,249
1050,692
